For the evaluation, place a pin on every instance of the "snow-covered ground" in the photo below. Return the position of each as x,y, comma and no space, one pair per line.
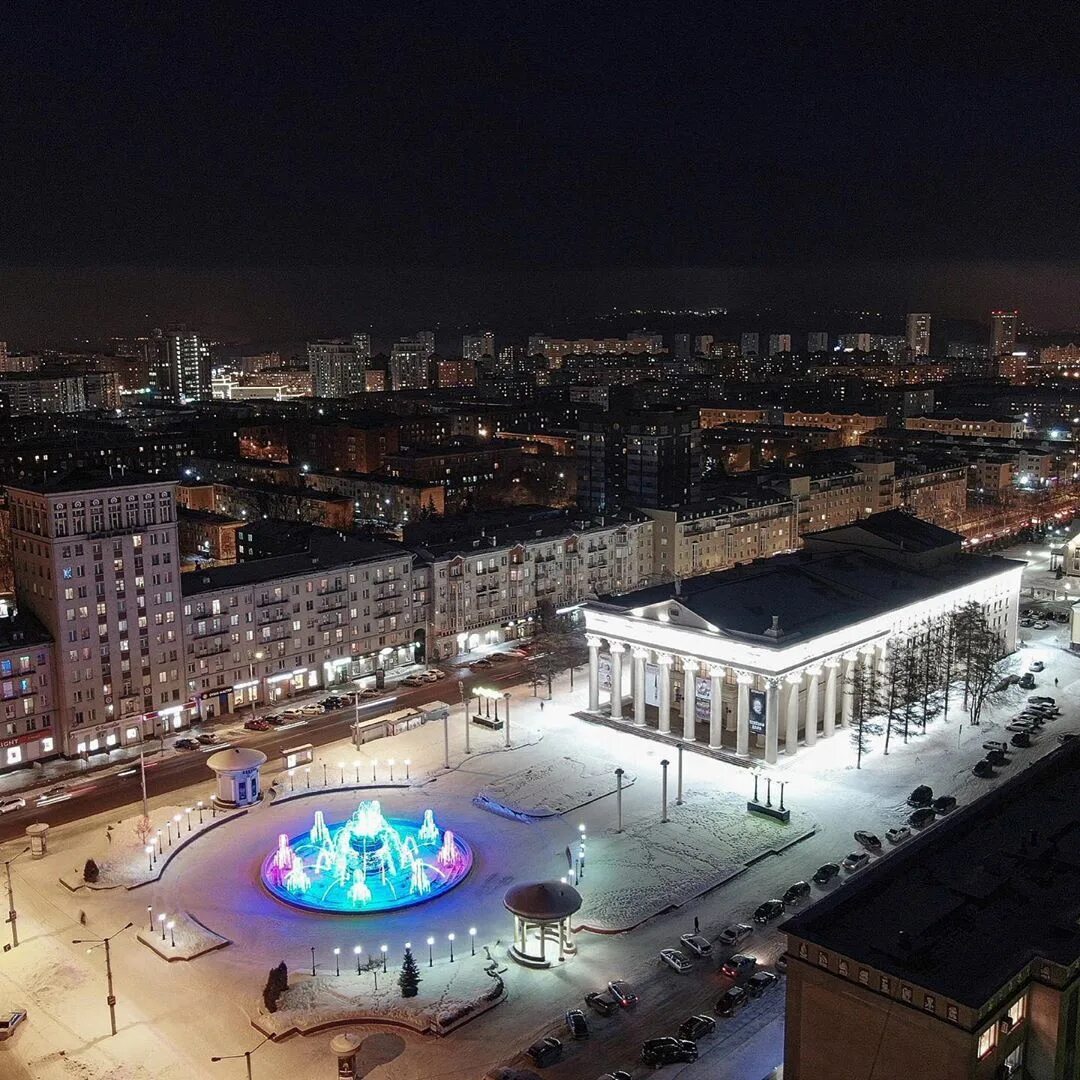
172,1017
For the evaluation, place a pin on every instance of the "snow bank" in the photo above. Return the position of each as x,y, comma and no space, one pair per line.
187,939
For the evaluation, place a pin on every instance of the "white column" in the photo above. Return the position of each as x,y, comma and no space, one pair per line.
640,656
742,721
594,673
689,696
716,707
810,727
847,697
617,651
772,719
664,663
828,725
791,716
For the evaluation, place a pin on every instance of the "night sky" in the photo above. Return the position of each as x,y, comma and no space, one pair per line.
377,163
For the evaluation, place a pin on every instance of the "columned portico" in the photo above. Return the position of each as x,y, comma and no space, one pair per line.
742,722
791,714
847,706
828,725
716,707
689,699
617,651
594,673
640,656
663,662
810,729
772,719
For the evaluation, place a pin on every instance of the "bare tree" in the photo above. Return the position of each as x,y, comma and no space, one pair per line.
863,685
985,669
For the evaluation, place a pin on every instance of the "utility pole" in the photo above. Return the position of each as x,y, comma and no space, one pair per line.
12,914
465,713
94,944
663,789
506,698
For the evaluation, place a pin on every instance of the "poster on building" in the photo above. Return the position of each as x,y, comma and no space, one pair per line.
702,698
757,712
652,685
605,672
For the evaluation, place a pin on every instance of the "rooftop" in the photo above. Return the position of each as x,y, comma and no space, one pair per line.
89,480
1005,870
22,630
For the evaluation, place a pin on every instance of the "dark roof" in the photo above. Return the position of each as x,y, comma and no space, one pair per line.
88,480
546,901
22,630
1003,872
897,528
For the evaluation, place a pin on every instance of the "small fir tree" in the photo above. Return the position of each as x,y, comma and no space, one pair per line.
409,979
90,872
277,982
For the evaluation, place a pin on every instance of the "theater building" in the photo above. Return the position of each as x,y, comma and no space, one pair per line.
757,658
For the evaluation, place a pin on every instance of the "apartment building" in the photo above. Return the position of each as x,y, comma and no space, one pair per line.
27,687
852,425
382,498
97,562
258,632
968,425
719,417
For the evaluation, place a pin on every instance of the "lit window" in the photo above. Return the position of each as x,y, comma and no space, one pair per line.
987,1040
1017,1010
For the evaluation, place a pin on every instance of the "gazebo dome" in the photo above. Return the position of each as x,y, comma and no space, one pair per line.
542,901
236,757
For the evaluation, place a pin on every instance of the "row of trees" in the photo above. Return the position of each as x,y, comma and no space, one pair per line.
959,653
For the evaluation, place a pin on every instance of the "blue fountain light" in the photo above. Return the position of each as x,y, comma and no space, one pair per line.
366,863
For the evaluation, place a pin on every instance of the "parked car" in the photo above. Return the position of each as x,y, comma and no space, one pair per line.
1042,699
1041,624
997,758
258,724
855,861
898,834
9,1021
944,803
1036,665
546,1051
415,680
437,673
826,872
622,993
759,982
1027,681
186,744
667,1050
600,1003
995,744
14,803
737,965
983,769
771,909
576,1023
697,1027
731,1001
800,890
1021,739
207,738
676,960
371,692
1027,624
1064,737
868,840
735,934
921,817
1020,725
698,945
277,719
923,795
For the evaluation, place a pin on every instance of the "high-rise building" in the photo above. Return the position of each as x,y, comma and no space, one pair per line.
918,333
858,342
337,366
409,364
892,345
508,362
180,369
750,344
818,341
476,346
779,343
1003,326
426,340
630,458
681,345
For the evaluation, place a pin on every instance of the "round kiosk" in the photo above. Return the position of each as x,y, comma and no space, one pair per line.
542,911
237,771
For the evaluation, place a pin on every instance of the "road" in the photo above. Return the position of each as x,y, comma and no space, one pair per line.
92,793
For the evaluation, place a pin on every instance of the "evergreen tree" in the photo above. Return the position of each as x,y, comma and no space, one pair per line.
277,982
90,872
409,979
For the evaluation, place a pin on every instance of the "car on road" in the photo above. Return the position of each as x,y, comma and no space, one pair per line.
9,1021
868,840
983,769
995,744
923,816
436,674
186,744
414,680
371,692
676,960
698,945
618,1074
796,892
826,872
481,665
738,964
735,934
14,803
923,795
545,1051
944,803
257,724
731,1001
576,1024
1036,665
1027,681
1021,739
278,719
856,860
667,1050
207,738
53,792
697,1027
499,658
600,1003
623,993
759,982
898,834
771,909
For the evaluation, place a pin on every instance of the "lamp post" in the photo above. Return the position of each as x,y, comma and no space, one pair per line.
149,849
254,687
95,943
663,789
430,957
678,775
161,922
337,961
391,764
341,768
465,712
12,914
356,716
176,822
356,770
357,950
506,699
187,810
472,940
172,933
446,739
246,1055
313,960
142,765
382,949
199,804
407,764
159,851
150,916
450,938
374,762
618,799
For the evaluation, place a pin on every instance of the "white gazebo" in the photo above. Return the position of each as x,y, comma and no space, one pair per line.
542,911
237,771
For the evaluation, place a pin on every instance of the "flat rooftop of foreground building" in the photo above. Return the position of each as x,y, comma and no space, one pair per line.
22,630
964,907
75,480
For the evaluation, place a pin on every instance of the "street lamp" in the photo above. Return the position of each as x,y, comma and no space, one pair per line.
450,938
374,762
161,922
407,764
430,943
254,687
357,950
95,943
356,770
172,933
472,940
391,764
149,849
465,713
12,916
506,699
337,961
246,1055
382,949
341,766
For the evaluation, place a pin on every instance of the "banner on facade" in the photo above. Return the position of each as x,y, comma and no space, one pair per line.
757,712
702,698
605,672
652,685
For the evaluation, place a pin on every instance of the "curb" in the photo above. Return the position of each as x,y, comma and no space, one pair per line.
220,944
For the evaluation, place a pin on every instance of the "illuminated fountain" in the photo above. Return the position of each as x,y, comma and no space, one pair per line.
366,863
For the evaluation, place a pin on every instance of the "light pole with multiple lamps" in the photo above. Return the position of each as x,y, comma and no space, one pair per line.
96,943
246,1055
256,683
12,914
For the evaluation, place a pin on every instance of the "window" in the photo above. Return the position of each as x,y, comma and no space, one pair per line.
1017,1010
987,1041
